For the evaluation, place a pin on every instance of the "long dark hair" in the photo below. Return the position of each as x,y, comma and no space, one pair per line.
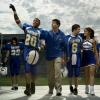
91,31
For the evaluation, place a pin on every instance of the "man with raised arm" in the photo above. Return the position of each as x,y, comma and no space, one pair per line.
32,33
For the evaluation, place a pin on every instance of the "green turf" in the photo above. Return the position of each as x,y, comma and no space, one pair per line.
41,80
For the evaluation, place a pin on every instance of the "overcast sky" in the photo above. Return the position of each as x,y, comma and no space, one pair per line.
83,12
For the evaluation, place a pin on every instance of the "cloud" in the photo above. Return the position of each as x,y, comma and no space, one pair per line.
83,12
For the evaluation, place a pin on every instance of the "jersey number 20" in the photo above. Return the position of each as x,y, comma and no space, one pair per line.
30,40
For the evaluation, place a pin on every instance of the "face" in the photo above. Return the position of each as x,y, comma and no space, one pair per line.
14,42
86,33
76,31
36,23
54,25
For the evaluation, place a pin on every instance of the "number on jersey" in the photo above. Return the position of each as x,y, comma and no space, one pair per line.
15,52
30,40
74,47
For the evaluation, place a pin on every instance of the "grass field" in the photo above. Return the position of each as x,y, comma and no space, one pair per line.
41,81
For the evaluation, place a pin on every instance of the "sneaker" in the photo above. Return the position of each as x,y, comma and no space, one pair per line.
16,87
92,90
13,88
71,89
92,93
58,94
27,92
75,91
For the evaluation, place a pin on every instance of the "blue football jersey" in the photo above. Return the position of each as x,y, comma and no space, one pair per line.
74,46
15,50
32,36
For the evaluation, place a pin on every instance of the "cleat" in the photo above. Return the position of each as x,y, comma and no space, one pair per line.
32,88
27,92
71,89
75,91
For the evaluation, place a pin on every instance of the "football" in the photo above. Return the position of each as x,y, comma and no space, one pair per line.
3,71
32,57
64,71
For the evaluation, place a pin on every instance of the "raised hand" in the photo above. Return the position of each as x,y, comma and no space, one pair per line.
12,7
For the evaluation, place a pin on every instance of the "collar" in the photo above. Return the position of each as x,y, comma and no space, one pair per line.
56,32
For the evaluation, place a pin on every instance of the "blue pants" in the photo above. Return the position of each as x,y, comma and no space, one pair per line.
14,68
73,71
28,67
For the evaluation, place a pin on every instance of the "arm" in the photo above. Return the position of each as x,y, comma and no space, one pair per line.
6,56
42,44
96,52
43,35
17,20
63,47
68,48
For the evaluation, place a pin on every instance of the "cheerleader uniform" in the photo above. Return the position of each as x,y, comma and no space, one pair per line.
88,53
88,59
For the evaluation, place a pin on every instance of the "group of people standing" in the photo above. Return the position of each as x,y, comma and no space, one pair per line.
75,51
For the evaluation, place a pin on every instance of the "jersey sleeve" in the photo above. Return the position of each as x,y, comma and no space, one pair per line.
23,26
81,35
63,43
21,44
43,34
68,46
